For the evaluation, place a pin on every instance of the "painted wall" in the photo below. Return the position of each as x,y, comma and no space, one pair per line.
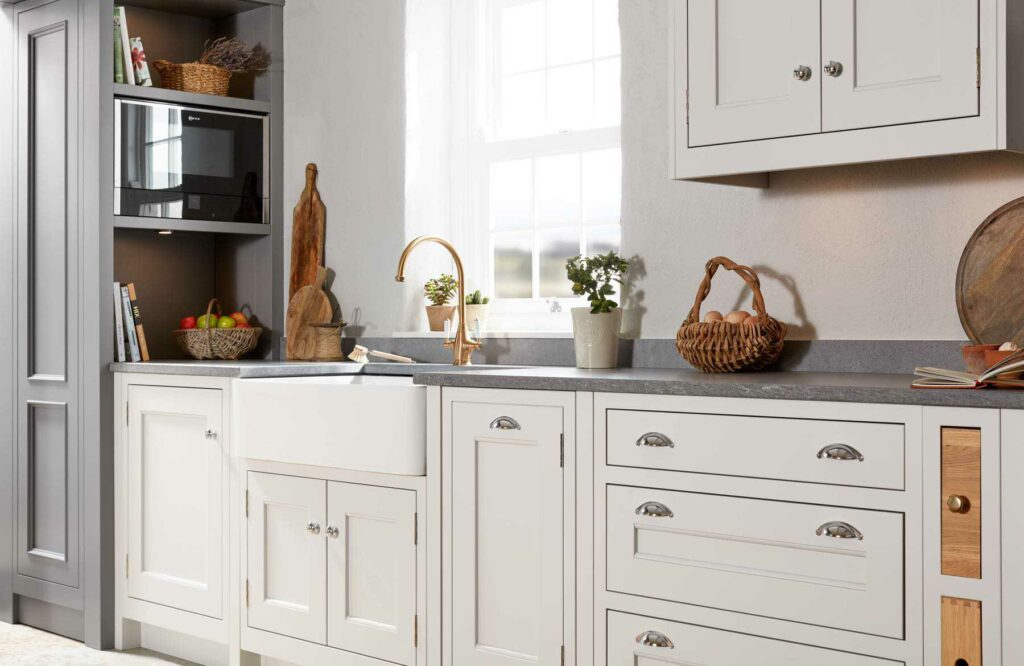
863,252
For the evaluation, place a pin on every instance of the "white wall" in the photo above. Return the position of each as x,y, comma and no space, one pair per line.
863,252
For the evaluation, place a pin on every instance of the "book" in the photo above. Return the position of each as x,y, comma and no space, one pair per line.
118,324
133,342
139,64
140,334
1001,374
118,54
126,49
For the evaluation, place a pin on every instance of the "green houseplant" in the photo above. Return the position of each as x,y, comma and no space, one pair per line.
596,328
477,308
440,291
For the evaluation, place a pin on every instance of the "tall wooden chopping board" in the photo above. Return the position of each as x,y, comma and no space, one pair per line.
308,222
307,307
989,293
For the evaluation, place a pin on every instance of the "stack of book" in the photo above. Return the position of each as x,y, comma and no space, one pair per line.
128,331
129,57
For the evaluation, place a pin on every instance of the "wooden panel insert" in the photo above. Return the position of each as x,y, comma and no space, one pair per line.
961,478
961,632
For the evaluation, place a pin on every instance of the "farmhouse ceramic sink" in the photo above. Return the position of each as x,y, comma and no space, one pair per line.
361,422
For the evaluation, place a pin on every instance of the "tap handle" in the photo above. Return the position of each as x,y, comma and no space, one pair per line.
447,329
476,329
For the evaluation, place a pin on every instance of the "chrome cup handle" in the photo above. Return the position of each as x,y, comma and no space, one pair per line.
505,423
655,639
655,440
839,530
654,510
840,452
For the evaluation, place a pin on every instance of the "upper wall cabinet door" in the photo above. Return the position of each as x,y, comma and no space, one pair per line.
753,70
176,515
888,63
47,287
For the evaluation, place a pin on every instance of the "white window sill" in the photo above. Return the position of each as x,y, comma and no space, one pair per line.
494,335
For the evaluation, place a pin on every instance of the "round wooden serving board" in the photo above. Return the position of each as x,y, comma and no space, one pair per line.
308,307
990,279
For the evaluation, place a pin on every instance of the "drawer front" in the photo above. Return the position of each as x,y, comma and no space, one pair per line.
644,641
763,557
844,453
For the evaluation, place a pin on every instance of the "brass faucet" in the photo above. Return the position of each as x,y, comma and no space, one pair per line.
462,346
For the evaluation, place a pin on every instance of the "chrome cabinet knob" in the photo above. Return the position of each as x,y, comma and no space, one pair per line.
505,423
802,73
654,510
332,531
840,452
655,440
834,69
655,639
839,530
313,528
210,434
958,504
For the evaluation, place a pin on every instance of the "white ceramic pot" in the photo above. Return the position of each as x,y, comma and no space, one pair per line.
596,337
475,312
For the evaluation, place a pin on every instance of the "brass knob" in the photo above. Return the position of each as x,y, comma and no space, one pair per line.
958,504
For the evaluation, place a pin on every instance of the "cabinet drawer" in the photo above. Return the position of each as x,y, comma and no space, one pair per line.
844,453
829,566
645,641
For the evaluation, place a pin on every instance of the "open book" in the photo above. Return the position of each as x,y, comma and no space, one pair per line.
994,376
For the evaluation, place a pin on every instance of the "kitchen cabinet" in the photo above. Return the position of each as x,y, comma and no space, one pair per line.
783,85
510,523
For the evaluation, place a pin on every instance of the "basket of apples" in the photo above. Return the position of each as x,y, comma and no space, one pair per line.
217,336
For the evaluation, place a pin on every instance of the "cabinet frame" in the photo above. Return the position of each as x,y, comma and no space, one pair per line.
996,127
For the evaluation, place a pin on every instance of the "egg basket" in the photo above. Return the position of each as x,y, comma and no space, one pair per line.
227,344
721,346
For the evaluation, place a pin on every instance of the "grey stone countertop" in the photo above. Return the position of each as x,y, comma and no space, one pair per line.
820,386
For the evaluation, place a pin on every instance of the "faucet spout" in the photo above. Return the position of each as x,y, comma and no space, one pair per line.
462,346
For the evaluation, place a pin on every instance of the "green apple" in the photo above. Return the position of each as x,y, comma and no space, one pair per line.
205,320
226,322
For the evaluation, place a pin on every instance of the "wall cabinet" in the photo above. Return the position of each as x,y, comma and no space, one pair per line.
782,85
510,522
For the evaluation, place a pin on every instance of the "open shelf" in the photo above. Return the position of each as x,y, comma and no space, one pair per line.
204,8
154,94
192,226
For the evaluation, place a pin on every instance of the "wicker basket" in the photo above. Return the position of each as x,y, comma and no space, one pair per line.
193,77
220,343
726,347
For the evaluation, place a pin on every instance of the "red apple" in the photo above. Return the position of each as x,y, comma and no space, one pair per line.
239,318
187,322
243,325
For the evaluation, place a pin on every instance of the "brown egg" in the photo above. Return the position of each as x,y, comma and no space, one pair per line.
713,315
737,316
752,320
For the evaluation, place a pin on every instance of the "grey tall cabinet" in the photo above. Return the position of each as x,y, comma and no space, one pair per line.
58,251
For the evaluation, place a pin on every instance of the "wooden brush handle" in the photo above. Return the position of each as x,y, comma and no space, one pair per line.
391,357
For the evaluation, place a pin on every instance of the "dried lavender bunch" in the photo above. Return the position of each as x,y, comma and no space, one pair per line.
235,55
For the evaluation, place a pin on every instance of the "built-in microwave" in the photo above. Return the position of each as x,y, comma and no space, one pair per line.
189,163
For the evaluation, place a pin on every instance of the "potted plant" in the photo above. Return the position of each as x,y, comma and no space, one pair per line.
596,328
477,306
439,292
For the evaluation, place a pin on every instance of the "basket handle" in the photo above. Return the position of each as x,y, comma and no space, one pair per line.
209,310
745,272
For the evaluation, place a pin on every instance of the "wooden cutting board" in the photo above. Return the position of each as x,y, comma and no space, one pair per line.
989,293
308,223
307,307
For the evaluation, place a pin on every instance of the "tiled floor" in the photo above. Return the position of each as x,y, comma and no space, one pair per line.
25,646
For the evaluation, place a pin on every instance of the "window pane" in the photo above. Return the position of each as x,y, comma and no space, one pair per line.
512,195
522,38
554,248
522,105
570,31
558,190
602,186
570,97
513,266
606,28
607,96
602,240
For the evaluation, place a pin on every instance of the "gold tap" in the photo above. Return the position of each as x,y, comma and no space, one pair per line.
462,346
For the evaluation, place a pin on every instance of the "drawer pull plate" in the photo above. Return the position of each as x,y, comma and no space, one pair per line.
505,423
655,639
654,510
840,452
655,440
839,530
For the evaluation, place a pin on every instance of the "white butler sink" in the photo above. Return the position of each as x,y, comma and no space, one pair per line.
375,424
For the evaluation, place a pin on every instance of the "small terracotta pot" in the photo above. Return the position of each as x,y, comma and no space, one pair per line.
437,315
974,357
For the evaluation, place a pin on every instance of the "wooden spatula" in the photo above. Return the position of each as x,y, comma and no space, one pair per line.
309,305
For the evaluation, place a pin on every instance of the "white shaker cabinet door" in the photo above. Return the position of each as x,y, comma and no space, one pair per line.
371,573
507,549
752,69
176,522
287,556
888,63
